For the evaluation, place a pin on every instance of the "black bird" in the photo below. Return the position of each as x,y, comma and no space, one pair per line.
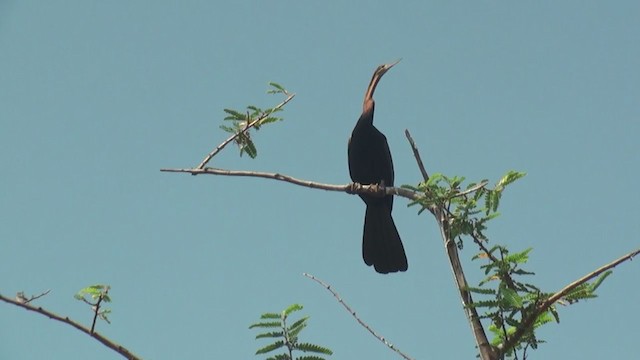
370,163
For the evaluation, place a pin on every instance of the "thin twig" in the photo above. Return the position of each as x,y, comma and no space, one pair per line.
353,313
24,300
248,126
472,189
508,279
544,306
96,308
105,341
425,175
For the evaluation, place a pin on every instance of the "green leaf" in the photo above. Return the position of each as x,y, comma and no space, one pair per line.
292,308
511,297
481,290
270,347
277,86
434,179
270,316
509,178
235,115
266,325
294,332
298,323
487,303
308,347
279,357
310,357
555,314
519,258
249,147
600,279
270,119
95,292
228,129
273,334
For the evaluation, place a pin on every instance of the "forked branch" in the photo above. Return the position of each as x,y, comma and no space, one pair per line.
544,306
105,341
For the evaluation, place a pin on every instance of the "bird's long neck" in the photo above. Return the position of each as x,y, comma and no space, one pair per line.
368,103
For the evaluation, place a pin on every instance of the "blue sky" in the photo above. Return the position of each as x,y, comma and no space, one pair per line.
96,97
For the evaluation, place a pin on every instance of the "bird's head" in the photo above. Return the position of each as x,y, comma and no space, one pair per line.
377,75
382,69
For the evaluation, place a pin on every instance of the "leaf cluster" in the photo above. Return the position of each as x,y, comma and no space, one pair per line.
241,122
509,302
467,210
512,305
286,336
98,294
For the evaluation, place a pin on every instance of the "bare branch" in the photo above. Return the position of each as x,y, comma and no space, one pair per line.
108,343
248,126
528,322
353,313
352,188
416,154
20,297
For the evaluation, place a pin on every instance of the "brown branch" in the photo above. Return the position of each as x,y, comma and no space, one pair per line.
416,154
544,306
96,309
353,313
482,342
105,341
250,125
352,188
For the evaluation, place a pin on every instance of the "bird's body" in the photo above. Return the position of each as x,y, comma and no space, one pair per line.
370,163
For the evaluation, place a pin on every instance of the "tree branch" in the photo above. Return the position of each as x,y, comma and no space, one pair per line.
352,188
486,351
528,322
416,154
353,313
105,341
250,125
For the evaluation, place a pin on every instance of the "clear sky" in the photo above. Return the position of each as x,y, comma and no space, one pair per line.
96,97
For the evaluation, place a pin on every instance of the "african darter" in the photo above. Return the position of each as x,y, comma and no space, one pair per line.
370,163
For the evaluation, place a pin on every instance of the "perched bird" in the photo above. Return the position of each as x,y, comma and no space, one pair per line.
370,163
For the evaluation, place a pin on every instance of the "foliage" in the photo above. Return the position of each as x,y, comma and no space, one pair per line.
466,211
99,294
508,302
284,335
252,117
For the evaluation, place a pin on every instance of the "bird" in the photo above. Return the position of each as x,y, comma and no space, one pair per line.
370,162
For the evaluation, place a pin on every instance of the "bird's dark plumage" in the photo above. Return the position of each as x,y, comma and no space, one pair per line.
370,163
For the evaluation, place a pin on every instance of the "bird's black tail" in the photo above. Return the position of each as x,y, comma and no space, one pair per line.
381,244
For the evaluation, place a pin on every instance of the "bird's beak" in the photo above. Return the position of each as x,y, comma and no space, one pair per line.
386,67
389,66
